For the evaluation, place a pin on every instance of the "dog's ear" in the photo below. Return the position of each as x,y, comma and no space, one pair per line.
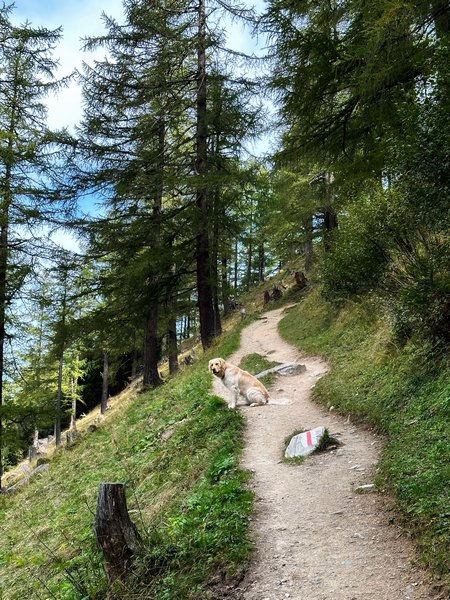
210,365
222,364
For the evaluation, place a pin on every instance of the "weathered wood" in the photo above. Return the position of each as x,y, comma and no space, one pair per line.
116,534
300,279
26,479
276,293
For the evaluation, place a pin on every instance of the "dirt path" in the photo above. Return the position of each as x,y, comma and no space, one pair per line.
316,538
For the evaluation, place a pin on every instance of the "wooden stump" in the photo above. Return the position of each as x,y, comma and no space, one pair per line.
116,534
276,293
300,279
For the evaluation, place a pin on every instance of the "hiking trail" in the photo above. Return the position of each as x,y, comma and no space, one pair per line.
315,537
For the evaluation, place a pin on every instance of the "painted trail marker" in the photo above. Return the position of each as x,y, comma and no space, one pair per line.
305,443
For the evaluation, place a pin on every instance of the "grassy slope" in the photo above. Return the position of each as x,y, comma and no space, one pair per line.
400,391
185,493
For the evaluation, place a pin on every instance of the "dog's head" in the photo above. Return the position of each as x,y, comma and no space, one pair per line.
217,366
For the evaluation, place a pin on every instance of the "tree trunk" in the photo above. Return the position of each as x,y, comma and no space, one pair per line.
73,414
172,344
236,264
249,264
202,254
58,408
134,364
116,534
214,270
4,225
72,434
151,376
105,384
330,216
34,448
3,301
6,185
58,399
261,262
308,247
250,250
330,224
225,288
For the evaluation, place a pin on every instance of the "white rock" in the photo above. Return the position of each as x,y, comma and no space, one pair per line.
368,487
305,443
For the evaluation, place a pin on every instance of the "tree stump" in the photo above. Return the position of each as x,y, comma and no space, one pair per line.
276,293
300,279
116,534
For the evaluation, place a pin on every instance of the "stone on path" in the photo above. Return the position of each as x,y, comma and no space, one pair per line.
305,443
367,487
284,369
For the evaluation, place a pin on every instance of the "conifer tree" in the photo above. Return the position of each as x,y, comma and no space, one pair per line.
149,135
29,157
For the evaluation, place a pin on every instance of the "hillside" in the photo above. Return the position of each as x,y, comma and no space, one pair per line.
401,390
178,450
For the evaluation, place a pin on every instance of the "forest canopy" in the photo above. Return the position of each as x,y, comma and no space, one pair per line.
356,194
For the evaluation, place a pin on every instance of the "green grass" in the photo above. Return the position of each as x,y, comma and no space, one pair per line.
255,363
185,492
404,393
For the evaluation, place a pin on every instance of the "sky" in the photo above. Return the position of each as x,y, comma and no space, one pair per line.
79,19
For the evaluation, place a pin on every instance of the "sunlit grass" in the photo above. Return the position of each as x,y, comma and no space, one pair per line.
177,450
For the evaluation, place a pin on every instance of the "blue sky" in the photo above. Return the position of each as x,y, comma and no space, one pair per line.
79,19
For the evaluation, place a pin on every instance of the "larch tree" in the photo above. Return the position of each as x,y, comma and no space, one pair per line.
150,137
361,86
29,159
134,134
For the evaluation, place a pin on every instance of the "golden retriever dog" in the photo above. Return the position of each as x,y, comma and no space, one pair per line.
239,382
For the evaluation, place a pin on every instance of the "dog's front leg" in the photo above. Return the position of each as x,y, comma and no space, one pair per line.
234,397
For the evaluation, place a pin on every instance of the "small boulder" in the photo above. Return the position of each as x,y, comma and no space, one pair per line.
305,443
283,369
363,489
